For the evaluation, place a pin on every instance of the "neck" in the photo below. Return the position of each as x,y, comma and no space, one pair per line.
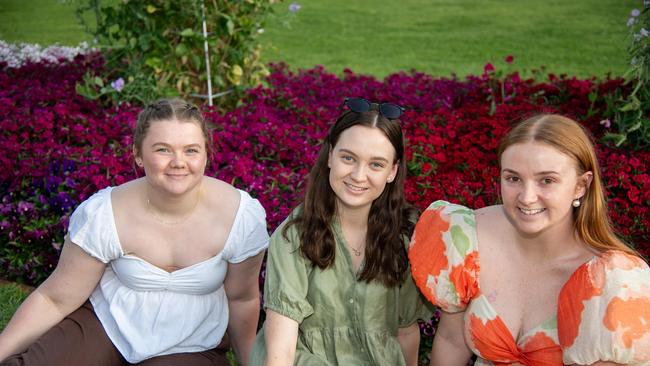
357,219
171,209
554,243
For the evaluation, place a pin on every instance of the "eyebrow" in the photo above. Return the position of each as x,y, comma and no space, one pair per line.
372,158
545,172
185,146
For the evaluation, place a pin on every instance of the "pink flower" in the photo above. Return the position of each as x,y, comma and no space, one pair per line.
488,68
509,59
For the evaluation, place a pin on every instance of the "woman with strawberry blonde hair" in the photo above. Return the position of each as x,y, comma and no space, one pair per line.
540,279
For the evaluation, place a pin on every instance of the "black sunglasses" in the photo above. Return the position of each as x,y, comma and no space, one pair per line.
388,110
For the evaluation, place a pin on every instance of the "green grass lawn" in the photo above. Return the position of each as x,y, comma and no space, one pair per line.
378,37
11,296
441,37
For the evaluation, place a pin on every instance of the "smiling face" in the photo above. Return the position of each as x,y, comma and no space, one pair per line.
361,163
173,156
538,185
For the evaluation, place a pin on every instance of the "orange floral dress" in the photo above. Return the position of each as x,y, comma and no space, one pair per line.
603,309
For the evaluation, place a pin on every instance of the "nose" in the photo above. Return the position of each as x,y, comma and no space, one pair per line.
528,194
178,161
358,173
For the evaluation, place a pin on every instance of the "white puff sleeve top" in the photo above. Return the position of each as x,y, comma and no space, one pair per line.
147,311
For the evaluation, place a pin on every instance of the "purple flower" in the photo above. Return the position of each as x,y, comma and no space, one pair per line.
294,7
630,22
635,13
118,84
606,123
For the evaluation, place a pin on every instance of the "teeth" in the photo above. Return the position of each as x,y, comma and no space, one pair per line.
355,188
531,211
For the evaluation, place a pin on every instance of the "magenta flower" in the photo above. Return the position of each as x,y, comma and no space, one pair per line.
509,59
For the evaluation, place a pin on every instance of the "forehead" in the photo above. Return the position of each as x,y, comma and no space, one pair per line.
173,129
366,141
536,156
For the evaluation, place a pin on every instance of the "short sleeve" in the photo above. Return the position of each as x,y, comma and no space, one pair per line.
251,235
444,257
413,305
604,311
287,276
92,227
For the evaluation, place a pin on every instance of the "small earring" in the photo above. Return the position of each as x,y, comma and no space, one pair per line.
139,162
575,203
390,179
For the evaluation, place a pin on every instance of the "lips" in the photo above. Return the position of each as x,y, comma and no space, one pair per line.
531,211
355,188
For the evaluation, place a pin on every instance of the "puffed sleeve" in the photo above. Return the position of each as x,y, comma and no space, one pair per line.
92,227
443,255
287,276
252,236
604,311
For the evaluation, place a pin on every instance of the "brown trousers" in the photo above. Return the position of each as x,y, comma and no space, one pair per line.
80,340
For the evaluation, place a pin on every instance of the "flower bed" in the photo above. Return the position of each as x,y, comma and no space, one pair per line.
57,148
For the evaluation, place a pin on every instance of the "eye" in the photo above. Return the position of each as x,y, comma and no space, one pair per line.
347,158
377,165
511,179
163,149
193,150
548,180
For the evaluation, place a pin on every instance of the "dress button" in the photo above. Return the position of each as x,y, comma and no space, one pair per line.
351,301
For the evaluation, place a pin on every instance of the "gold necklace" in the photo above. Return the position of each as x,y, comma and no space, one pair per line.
356,252
184,218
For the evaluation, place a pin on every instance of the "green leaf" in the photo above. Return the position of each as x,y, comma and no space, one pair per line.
230,26
98,81
181,49
187,32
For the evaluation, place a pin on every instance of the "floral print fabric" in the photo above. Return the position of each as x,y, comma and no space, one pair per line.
603,309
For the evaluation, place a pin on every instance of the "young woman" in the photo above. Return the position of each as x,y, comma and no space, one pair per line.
338,290
541,279
169,262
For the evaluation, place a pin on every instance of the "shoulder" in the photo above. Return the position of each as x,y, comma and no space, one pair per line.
92,206
217,192
442,218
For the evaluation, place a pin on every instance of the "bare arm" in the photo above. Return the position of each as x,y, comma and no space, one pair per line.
281,336
71,283
409,342
449,347
242,289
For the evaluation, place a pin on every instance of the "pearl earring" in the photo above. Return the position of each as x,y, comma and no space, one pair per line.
575,203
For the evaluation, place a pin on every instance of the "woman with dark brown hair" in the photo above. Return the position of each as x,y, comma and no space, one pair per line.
338,290
540,279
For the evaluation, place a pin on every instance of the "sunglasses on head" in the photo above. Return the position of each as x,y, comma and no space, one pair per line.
388,110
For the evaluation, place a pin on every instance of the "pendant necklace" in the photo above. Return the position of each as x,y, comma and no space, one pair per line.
357,252
184,218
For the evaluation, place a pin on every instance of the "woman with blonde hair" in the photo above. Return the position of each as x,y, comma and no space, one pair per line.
540,279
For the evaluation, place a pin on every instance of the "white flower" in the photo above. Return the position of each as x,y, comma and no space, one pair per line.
635,13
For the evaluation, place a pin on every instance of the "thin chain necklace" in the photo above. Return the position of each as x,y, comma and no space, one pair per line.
356,252
184,218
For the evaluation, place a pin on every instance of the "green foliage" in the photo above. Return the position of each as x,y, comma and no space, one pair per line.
156,48
630,113
11,296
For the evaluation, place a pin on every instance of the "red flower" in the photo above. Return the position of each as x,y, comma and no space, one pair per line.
509,59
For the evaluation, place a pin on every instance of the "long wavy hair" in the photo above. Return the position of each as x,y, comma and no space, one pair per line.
390,220
591,221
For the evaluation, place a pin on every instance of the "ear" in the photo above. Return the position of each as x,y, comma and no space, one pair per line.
137,156
583,184
393,172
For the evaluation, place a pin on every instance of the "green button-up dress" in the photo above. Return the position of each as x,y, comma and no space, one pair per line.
342,321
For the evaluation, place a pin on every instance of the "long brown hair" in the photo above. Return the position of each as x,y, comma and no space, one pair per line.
390,220
591,221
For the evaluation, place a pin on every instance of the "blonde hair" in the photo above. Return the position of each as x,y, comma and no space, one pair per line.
591,221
